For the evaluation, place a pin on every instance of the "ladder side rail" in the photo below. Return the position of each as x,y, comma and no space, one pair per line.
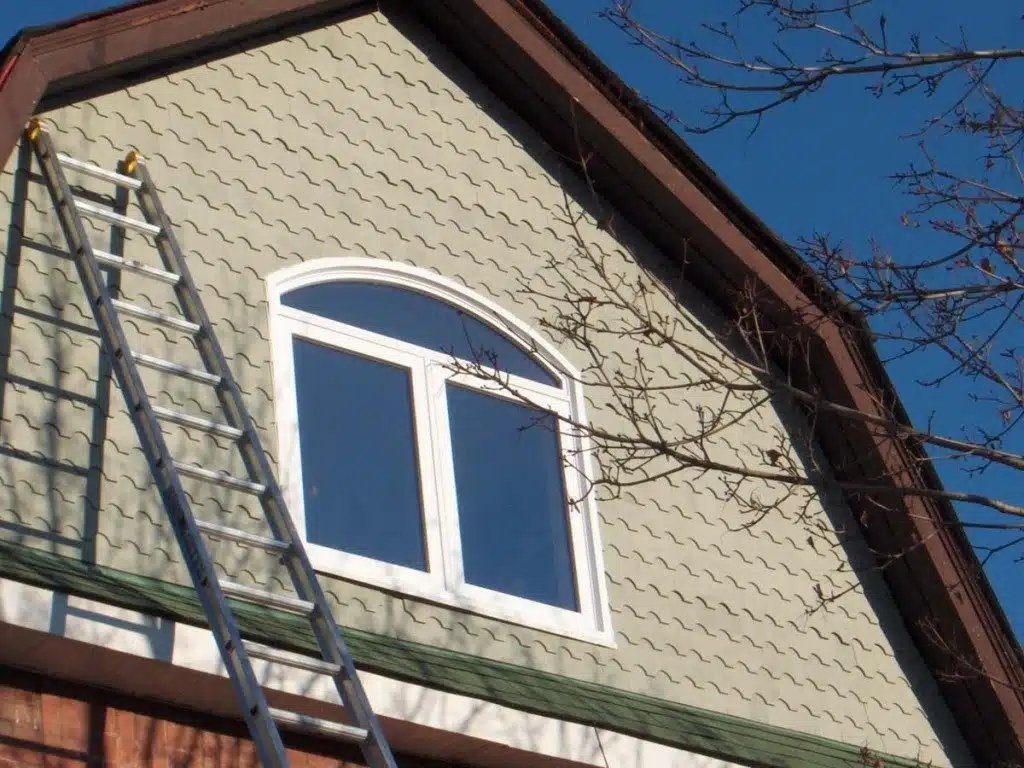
256,711
325,628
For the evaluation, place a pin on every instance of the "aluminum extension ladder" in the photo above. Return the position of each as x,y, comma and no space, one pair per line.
284,541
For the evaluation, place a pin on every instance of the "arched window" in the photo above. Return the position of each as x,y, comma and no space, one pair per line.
405,474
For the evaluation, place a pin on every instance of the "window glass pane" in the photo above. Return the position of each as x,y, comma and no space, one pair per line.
361,489
417,319
511,501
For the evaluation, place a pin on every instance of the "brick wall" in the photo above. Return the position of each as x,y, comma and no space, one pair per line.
48,723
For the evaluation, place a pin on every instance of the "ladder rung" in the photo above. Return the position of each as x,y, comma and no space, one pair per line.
269,599
215,531
98,212
319,725
159,364
99,173
130,265
197,422
289,659
220,478
155,316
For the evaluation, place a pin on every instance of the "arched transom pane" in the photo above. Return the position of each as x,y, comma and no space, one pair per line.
417,319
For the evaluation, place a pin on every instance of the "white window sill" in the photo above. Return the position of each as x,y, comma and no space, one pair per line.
408,582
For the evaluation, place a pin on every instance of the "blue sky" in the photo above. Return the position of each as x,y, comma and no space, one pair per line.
821,164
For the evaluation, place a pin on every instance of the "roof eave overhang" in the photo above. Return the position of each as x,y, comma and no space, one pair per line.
532,62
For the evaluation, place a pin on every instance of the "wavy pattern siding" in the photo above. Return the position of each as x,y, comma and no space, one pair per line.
363,138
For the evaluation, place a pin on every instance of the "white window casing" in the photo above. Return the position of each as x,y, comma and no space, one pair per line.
429,371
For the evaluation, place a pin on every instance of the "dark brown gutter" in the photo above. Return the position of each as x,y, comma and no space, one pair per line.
532,61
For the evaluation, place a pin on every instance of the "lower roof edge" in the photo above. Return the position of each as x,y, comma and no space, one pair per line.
537,692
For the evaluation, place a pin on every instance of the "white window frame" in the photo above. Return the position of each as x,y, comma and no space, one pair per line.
444,582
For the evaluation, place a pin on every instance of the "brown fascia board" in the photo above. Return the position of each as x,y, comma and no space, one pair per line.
529,58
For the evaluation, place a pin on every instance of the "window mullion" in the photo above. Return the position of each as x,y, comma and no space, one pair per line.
444,467
427,460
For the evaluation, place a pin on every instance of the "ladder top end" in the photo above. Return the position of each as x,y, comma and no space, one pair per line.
131,161
33,129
